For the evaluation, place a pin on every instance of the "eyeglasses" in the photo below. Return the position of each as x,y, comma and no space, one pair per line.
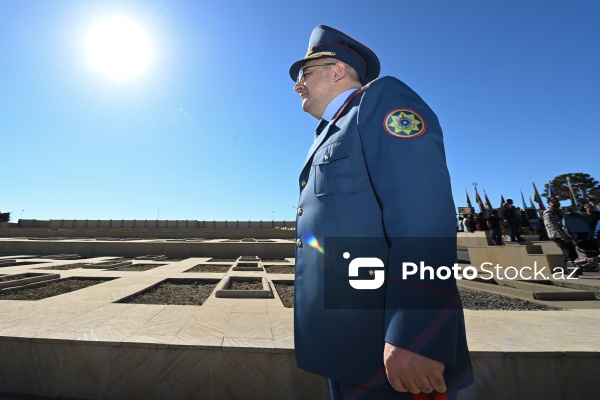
303,70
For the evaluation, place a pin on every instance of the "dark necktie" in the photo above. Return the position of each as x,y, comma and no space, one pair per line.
320,127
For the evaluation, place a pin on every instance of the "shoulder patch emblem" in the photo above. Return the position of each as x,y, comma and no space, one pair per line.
404,123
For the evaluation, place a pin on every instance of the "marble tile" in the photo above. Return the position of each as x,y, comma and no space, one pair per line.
284,344
252,306
196,340
139,311
249,325
282,330
569,372
286,381
28,329
167,322
571,346
476,345
240,375
44,361
151,340
212,313
512,378
199,330
247,344
70,307
91,319
281,314
84,371
14,306
220,302
9,322
113,330
133,373
14,374
185,374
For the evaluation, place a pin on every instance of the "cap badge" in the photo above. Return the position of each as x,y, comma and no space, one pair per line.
404,123
310,54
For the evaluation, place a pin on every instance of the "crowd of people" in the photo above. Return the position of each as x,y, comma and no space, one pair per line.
568,229
508,217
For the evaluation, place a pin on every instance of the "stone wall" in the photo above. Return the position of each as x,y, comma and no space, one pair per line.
150,224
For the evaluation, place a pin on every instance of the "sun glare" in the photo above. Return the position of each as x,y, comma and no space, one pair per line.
118,48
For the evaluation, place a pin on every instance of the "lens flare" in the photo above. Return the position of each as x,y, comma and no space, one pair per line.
312,241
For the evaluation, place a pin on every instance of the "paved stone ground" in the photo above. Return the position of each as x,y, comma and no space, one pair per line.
91,314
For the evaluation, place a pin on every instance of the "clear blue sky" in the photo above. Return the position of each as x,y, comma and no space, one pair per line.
211,129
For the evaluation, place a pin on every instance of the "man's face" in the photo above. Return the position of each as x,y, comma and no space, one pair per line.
554,204
316,86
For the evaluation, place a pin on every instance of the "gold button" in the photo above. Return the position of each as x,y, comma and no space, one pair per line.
299,212
371,272
299,243
303,183
326,157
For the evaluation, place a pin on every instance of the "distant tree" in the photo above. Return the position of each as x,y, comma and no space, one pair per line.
4,217
579,181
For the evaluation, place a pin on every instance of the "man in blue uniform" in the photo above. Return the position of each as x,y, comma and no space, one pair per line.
375,206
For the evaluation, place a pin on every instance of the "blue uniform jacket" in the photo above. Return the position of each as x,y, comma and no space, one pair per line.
371,189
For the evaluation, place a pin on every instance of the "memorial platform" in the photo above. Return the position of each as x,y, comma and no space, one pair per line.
86,344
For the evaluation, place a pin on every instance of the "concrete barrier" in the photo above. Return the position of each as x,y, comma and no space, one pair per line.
515,255
477,238
172,249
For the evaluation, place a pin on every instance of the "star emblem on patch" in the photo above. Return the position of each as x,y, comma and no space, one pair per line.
404,123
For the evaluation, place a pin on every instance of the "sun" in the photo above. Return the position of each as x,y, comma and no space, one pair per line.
118,48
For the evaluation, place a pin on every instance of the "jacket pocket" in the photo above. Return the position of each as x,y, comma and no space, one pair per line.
332,169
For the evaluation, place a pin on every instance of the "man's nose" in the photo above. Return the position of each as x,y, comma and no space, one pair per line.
299,87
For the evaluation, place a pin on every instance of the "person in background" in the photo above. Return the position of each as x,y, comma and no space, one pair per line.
592,201
494,223
481,222
460,224
470,224
558,234
512,219
592,215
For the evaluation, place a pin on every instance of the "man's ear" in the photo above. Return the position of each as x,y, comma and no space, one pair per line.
339,71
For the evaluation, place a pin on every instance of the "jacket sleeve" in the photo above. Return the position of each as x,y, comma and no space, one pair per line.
409,176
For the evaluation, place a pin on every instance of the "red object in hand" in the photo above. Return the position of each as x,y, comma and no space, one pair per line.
429,396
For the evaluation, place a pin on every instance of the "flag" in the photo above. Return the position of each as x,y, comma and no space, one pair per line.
502,201
572,197
478,200
488,204
468,200
537,198
551,190
583,196
531,205
523,200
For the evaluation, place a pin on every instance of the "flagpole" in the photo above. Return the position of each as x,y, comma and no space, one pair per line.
478,198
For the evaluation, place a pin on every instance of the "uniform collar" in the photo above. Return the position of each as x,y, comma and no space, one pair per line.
335,104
